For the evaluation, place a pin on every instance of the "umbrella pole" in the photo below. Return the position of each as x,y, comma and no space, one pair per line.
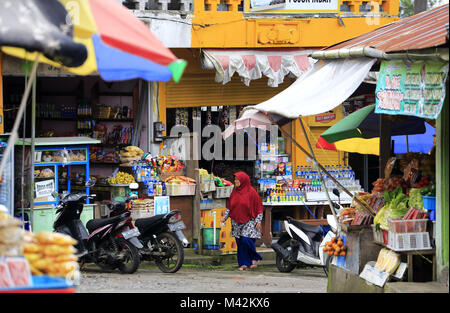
368,209
321,177
407,144
33,135
14,132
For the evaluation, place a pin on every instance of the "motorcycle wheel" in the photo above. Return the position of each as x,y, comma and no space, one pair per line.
132,259
282,265
173,253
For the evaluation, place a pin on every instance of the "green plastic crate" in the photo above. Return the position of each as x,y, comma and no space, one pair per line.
87,214
43,218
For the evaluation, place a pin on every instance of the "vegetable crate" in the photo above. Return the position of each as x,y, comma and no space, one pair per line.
407,226
409,241
223,192
380,236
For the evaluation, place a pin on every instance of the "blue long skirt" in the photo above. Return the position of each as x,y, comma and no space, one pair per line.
246,251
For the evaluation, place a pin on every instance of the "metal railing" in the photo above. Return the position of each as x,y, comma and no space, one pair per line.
350,7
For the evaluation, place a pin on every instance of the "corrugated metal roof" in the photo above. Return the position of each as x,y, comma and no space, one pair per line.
420,31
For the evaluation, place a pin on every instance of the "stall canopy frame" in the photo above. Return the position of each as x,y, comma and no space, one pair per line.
310,95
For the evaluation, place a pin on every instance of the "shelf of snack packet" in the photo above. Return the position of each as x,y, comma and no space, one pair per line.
306,186
35,263
403,208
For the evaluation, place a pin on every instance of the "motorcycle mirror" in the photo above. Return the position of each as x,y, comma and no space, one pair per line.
335,205
336,192
90,183
134,186
55,194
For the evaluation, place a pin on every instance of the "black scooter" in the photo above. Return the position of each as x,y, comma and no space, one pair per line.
111,243
163,240
161,236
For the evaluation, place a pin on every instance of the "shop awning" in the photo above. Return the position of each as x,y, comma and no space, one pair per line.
253,64
326,85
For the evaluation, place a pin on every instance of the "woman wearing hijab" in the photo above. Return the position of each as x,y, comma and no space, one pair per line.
246,211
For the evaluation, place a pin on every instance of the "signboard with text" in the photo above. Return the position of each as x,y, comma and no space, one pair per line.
411,88
291,6
44,188
326,119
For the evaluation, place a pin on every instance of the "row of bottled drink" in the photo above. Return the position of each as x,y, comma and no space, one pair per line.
284,194
309,178
144,173
337,171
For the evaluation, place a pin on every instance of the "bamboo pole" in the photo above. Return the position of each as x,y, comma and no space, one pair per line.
14,132
320,175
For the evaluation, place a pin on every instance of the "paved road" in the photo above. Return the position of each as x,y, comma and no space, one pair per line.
265,279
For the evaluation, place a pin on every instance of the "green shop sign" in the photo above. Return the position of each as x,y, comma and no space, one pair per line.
411,88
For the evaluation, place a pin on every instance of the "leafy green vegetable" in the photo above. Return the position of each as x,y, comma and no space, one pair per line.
396,207
415,198
429,191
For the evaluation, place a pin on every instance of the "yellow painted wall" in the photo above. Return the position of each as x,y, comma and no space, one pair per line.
231,29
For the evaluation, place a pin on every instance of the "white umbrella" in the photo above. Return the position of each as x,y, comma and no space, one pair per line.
249,118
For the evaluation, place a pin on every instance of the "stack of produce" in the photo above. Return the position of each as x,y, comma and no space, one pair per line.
416,210
387,261
179,180
130,155
415,214
362,218
376,202
378,186
51,254
121,178
429,191
347,215
335,247
180,185
11,236
396,206
395,182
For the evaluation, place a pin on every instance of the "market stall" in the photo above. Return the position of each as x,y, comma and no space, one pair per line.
59,163
403,227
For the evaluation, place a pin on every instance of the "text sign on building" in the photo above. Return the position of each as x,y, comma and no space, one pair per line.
291,6
406,88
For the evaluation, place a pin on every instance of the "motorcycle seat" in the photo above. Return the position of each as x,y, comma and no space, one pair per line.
142,223
316,229
99,222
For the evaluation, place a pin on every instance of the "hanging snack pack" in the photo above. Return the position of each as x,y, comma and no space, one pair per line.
52,254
